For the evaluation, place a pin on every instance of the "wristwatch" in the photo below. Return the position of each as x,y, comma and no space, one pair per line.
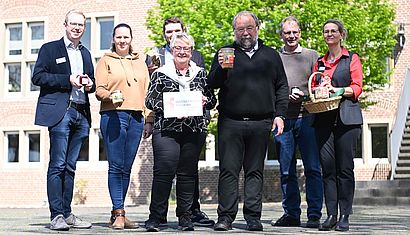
282,117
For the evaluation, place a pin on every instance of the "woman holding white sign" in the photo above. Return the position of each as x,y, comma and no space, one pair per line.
179,96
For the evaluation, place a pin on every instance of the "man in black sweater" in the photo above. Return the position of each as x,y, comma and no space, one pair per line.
253,99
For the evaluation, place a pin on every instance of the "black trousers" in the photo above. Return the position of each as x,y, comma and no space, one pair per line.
195,203
175,153
241,144
337,145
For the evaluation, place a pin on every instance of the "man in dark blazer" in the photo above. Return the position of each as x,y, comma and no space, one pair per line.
64,71
159,57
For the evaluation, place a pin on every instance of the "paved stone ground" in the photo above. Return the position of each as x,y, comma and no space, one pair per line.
365,220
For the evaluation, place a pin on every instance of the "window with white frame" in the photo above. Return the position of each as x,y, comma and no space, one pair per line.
36,32
14,34
97,36
23,42
12,144
105,26
33,139
29,143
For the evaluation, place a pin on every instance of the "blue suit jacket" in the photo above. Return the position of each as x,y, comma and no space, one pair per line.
52,74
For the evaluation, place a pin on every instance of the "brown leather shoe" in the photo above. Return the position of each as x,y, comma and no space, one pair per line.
128,224
117,220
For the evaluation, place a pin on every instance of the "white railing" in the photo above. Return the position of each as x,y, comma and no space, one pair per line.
397,132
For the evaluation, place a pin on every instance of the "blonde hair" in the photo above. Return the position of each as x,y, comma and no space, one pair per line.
73,11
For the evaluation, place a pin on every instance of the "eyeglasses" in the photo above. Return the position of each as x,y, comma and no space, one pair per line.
72,24
184,49
288,33
247,29
332,31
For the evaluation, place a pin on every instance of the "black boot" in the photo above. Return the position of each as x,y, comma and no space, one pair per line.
343,224
329,223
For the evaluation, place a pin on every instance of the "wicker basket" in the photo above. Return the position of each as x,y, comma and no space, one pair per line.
320,105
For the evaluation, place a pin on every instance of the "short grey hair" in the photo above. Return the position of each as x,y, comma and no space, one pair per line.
184,37
289,18
242,13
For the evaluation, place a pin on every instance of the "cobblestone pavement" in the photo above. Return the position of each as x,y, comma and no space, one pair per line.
365,220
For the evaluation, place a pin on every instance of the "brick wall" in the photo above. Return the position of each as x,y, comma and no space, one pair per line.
372,172
387,100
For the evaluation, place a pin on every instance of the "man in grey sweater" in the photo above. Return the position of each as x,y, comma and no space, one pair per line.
298,63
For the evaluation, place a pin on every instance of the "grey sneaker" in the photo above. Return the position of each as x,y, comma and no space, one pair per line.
58,223
75,222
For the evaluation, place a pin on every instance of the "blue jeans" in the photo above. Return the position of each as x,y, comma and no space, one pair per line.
299,132
122,131
66,138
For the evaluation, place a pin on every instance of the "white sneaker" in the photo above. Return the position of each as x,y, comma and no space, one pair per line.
75,222
59,223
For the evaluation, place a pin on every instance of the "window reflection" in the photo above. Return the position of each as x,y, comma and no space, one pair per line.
15,39
14,76
86,38
13,147
106,26
37,36
34,147
30,69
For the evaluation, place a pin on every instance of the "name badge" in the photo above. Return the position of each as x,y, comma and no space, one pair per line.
60,60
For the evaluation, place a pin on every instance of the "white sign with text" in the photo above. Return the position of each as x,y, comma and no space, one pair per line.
182,104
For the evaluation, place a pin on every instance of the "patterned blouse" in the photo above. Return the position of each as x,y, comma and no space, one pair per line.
163,80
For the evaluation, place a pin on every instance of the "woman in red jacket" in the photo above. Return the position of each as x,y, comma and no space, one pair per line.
337,131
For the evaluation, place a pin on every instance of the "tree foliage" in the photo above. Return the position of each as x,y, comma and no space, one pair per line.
369,23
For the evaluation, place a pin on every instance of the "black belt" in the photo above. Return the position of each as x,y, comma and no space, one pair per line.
248,118
77,106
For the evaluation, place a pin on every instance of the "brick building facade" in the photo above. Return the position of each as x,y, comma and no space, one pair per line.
25,25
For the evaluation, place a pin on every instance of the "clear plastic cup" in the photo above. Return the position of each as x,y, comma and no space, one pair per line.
229,57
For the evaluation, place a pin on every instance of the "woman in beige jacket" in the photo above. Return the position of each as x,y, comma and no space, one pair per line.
122,81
